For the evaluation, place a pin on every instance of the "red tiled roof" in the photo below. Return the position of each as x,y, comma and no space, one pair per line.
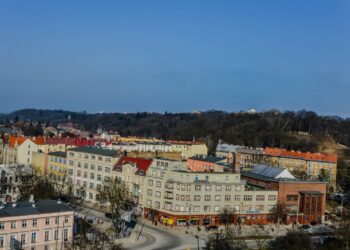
279,152
141,164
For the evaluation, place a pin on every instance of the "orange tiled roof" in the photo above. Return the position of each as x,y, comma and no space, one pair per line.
14,139
280,152
39,140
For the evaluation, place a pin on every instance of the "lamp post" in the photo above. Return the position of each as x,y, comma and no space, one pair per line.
189,214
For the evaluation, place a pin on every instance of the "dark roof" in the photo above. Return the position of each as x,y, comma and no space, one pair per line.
41,207
212,159
96,151
58,154
250,174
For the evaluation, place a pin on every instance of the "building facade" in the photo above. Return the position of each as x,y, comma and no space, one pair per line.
176,196
41,225
309,165
189,148
305,201
133,172
89,168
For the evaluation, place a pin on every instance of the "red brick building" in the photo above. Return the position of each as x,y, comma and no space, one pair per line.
305,200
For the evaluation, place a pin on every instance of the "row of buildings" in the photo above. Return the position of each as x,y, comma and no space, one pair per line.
195,191
305,165
193,188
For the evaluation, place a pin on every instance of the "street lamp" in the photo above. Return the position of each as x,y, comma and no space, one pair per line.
189,214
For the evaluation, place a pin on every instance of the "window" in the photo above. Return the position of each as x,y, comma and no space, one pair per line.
157,194
228,187
99,168
196,209
65,234
47,234
197,187
207,187
92,185
217,208
24,223
2,225
206,208
217,198
56,235
247,207
1,241
91,196
92,166
23,239
188,198
12,241
272,197
99,178
150,182
107,170
33,239
227,197
292,197
35,222
259,207
108,160
218,187
66,219
78,173
260,197
149,192
197,198
47,221
57,220
13,225
158,184
207,198
247,197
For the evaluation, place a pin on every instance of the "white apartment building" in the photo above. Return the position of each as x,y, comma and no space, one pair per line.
89,168
177,196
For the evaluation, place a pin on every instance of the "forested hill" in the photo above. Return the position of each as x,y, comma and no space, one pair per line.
302,130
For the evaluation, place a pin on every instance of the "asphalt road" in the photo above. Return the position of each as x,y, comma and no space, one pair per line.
156,238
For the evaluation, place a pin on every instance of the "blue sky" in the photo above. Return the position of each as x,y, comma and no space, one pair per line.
175,55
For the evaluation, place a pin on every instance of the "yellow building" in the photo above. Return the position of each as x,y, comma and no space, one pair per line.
39,162
57,168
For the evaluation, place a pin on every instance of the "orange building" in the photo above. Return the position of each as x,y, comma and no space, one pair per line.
305,200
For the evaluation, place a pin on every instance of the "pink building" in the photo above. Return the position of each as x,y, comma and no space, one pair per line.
206,164
40,225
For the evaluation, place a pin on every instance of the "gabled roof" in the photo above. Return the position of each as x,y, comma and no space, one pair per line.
272,172
280,152
16,139
141,164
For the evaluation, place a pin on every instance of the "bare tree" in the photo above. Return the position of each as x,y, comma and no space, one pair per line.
117,196
92,240
227,216
279,212
31,182
227,240
260,236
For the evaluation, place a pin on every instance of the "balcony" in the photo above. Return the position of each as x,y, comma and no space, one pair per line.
169,196
169,185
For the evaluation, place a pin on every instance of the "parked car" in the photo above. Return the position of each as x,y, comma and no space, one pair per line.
305,228
108,215
211,227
